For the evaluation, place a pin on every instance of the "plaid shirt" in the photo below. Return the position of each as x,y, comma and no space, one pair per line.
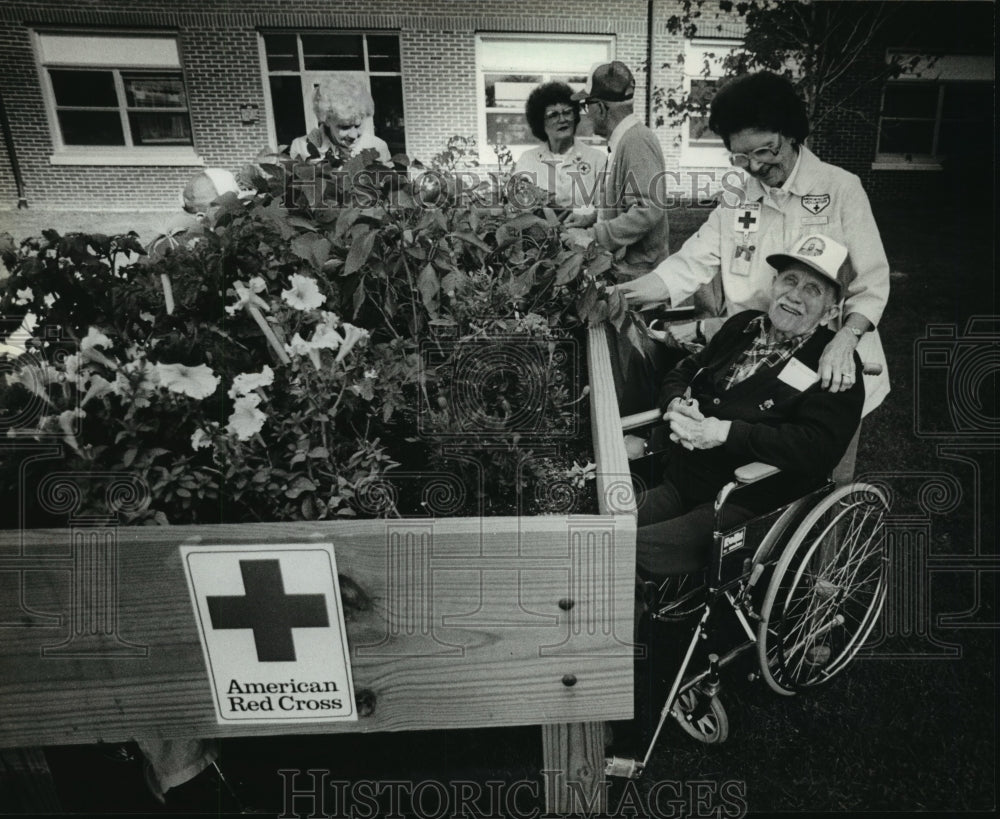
762,353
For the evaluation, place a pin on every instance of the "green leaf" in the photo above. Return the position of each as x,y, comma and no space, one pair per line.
472,239
319,452
429,287
360,250
129,456
569,269
299,485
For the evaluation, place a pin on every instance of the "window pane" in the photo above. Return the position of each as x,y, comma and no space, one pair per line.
509,90
90,88
902,137
912,99
333,52
160,128
149,91
91,127
508,129
700,135
383,52
389,121
289,115
282,52
973,101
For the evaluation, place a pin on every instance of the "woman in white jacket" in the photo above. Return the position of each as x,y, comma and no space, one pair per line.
781,192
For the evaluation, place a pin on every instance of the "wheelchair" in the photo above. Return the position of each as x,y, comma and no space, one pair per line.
806,584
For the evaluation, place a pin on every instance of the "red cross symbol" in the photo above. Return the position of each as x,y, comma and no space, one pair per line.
268,611
747,219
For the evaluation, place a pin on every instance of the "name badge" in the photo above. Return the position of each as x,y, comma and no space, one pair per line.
797,375
815,220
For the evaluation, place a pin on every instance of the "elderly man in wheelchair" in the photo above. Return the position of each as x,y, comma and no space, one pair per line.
745,519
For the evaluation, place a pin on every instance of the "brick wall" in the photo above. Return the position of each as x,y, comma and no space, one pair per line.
219,49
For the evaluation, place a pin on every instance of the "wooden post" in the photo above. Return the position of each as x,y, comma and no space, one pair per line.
573,769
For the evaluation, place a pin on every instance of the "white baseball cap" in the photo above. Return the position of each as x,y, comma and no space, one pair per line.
817,252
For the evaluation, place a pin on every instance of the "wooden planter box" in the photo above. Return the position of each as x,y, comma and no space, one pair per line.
451,622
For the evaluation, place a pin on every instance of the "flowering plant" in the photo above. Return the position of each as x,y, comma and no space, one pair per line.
288,354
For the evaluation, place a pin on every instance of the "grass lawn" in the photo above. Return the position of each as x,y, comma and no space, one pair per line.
910,727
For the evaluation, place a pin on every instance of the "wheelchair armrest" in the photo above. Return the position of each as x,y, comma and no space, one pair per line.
756,471
641,419
871,368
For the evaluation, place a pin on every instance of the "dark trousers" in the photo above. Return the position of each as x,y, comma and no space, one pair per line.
674,536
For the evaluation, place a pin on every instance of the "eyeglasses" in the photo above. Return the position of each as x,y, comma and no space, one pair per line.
765,154
561,113
585,104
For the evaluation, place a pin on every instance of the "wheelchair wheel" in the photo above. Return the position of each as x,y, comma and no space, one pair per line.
826,592
701,717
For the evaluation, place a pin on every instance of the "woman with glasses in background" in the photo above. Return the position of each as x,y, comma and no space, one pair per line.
567,169
781,192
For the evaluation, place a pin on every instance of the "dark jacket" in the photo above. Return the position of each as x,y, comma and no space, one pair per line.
803,432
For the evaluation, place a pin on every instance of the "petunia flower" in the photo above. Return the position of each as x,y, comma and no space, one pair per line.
94,339
246,420
352,336
25,296
246,383
200,439
303,294
195,382
325,337
96,387
298,346
246,294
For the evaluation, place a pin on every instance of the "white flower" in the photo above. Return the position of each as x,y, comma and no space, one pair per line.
245,383
352,335
97,386
328,318
25,296
195,382
303,294
94,338
298,346
371,373
49,299
246,420
200,439
325,337
247,294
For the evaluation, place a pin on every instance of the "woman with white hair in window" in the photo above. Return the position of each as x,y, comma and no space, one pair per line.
344,112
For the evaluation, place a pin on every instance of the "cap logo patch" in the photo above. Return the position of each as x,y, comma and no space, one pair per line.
813,246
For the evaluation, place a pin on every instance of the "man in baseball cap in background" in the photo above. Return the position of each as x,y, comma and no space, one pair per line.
632,216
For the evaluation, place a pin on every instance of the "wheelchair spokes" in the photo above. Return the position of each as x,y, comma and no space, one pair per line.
826,592
701,716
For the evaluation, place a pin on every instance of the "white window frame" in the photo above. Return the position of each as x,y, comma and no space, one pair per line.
695,54
487,155
127,154
940,71
302,72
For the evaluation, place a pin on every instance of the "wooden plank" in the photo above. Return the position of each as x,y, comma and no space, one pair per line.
614,479
573,769
496,616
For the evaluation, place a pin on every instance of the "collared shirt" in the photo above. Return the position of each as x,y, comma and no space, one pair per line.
763,352
780,194
571,177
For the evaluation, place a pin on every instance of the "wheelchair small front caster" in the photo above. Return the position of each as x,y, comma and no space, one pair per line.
702,717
